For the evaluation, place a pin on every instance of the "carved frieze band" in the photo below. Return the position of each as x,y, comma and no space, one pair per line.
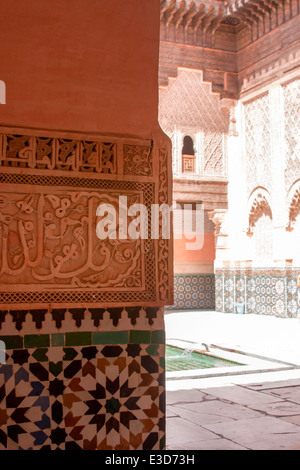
57,153
137,160
49,249
25,151
164,244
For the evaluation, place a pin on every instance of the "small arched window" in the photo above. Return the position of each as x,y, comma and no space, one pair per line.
188,155
188,146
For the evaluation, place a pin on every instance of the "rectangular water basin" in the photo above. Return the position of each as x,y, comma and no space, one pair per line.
178,359
186,360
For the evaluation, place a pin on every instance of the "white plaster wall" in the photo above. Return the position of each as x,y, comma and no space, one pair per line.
245,175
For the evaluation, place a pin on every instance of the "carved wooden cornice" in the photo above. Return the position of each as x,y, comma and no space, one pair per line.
207,17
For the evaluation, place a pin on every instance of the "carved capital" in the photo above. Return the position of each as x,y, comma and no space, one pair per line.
218,217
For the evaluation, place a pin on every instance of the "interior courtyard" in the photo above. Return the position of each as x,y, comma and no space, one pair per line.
124,327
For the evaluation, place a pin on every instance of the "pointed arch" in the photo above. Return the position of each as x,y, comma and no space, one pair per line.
259,204
293,205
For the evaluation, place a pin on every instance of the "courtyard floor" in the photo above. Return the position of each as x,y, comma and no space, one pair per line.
252,407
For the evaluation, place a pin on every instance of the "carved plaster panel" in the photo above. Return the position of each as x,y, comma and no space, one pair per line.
189,107
50,253
257,141
291,99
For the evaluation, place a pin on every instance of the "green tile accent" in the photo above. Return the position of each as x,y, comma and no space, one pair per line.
110,337
162,443
162,363
78,339
36,341
55,369
152,350
12,342
70,354
112,405
57,339
158,337
40,354
139,337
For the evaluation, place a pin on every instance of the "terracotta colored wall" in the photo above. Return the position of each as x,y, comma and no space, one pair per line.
84,360
200,259
207,253
194,282
80,65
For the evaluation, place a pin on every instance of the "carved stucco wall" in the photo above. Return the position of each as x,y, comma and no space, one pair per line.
187,106
291,99
264,163
262,247
271,152
257,141
51,189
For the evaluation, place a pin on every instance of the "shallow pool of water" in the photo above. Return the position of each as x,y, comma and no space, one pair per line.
185,359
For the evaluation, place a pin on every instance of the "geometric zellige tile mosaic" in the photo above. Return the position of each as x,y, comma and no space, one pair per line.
90,397
194,291
263,293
